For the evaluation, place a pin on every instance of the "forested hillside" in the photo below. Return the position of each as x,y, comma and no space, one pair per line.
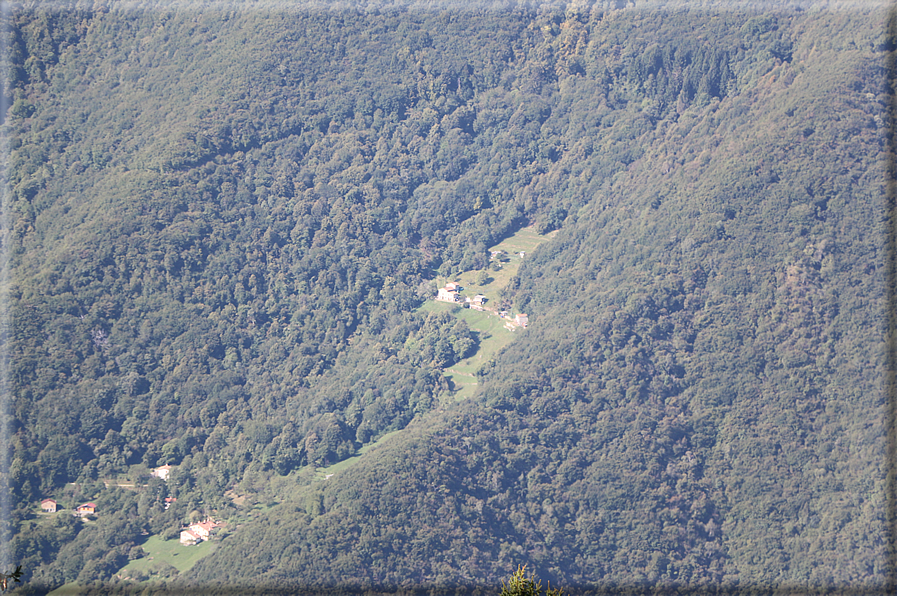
224,222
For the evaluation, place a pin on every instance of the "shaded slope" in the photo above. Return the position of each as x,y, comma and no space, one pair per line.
698,399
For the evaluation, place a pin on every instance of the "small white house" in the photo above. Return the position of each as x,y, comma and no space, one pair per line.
449,294
162,472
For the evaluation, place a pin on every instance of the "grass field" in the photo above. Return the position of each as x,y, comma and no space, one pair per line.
492,330
493,335
525,240
171,552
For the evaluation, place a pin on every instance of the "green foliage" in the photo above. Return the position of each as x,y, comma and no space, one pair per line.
441,341
521,585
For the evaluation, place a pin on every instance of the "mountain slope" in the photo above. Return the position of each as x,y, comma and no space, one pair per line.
695,401
225,222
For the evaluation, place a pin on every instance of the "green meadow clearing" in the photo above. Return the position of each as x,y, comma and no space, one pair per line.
494,333
170,552
524,240
164,559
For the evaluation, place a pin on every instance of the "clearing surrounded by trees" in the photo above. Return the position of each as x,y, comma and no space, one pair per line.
494,332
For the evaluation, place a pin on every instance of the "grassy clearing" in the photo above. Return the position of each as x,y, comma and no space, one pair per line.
259,492
44,519
493,336
161,556
463,386
172,552
494,333
525,239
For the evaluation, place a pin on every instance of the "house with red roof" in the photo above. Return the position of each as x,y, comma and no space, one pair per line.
85,509
198,532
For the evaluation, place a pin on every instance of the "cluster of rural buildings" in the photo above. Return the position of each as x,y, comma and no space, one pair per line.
199,532
192,534
196,532
51,506
451,292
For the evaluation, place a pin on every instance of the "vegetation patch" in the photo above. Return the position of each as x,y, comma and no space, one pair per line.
326,472
163,556
511,252
463,385
69,589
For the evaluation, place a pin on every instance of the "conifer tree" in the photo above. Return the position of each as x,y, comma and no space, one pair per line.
521,585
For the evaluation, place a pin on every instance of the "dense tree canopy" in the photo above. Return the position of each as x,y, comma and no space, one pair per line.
223,223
